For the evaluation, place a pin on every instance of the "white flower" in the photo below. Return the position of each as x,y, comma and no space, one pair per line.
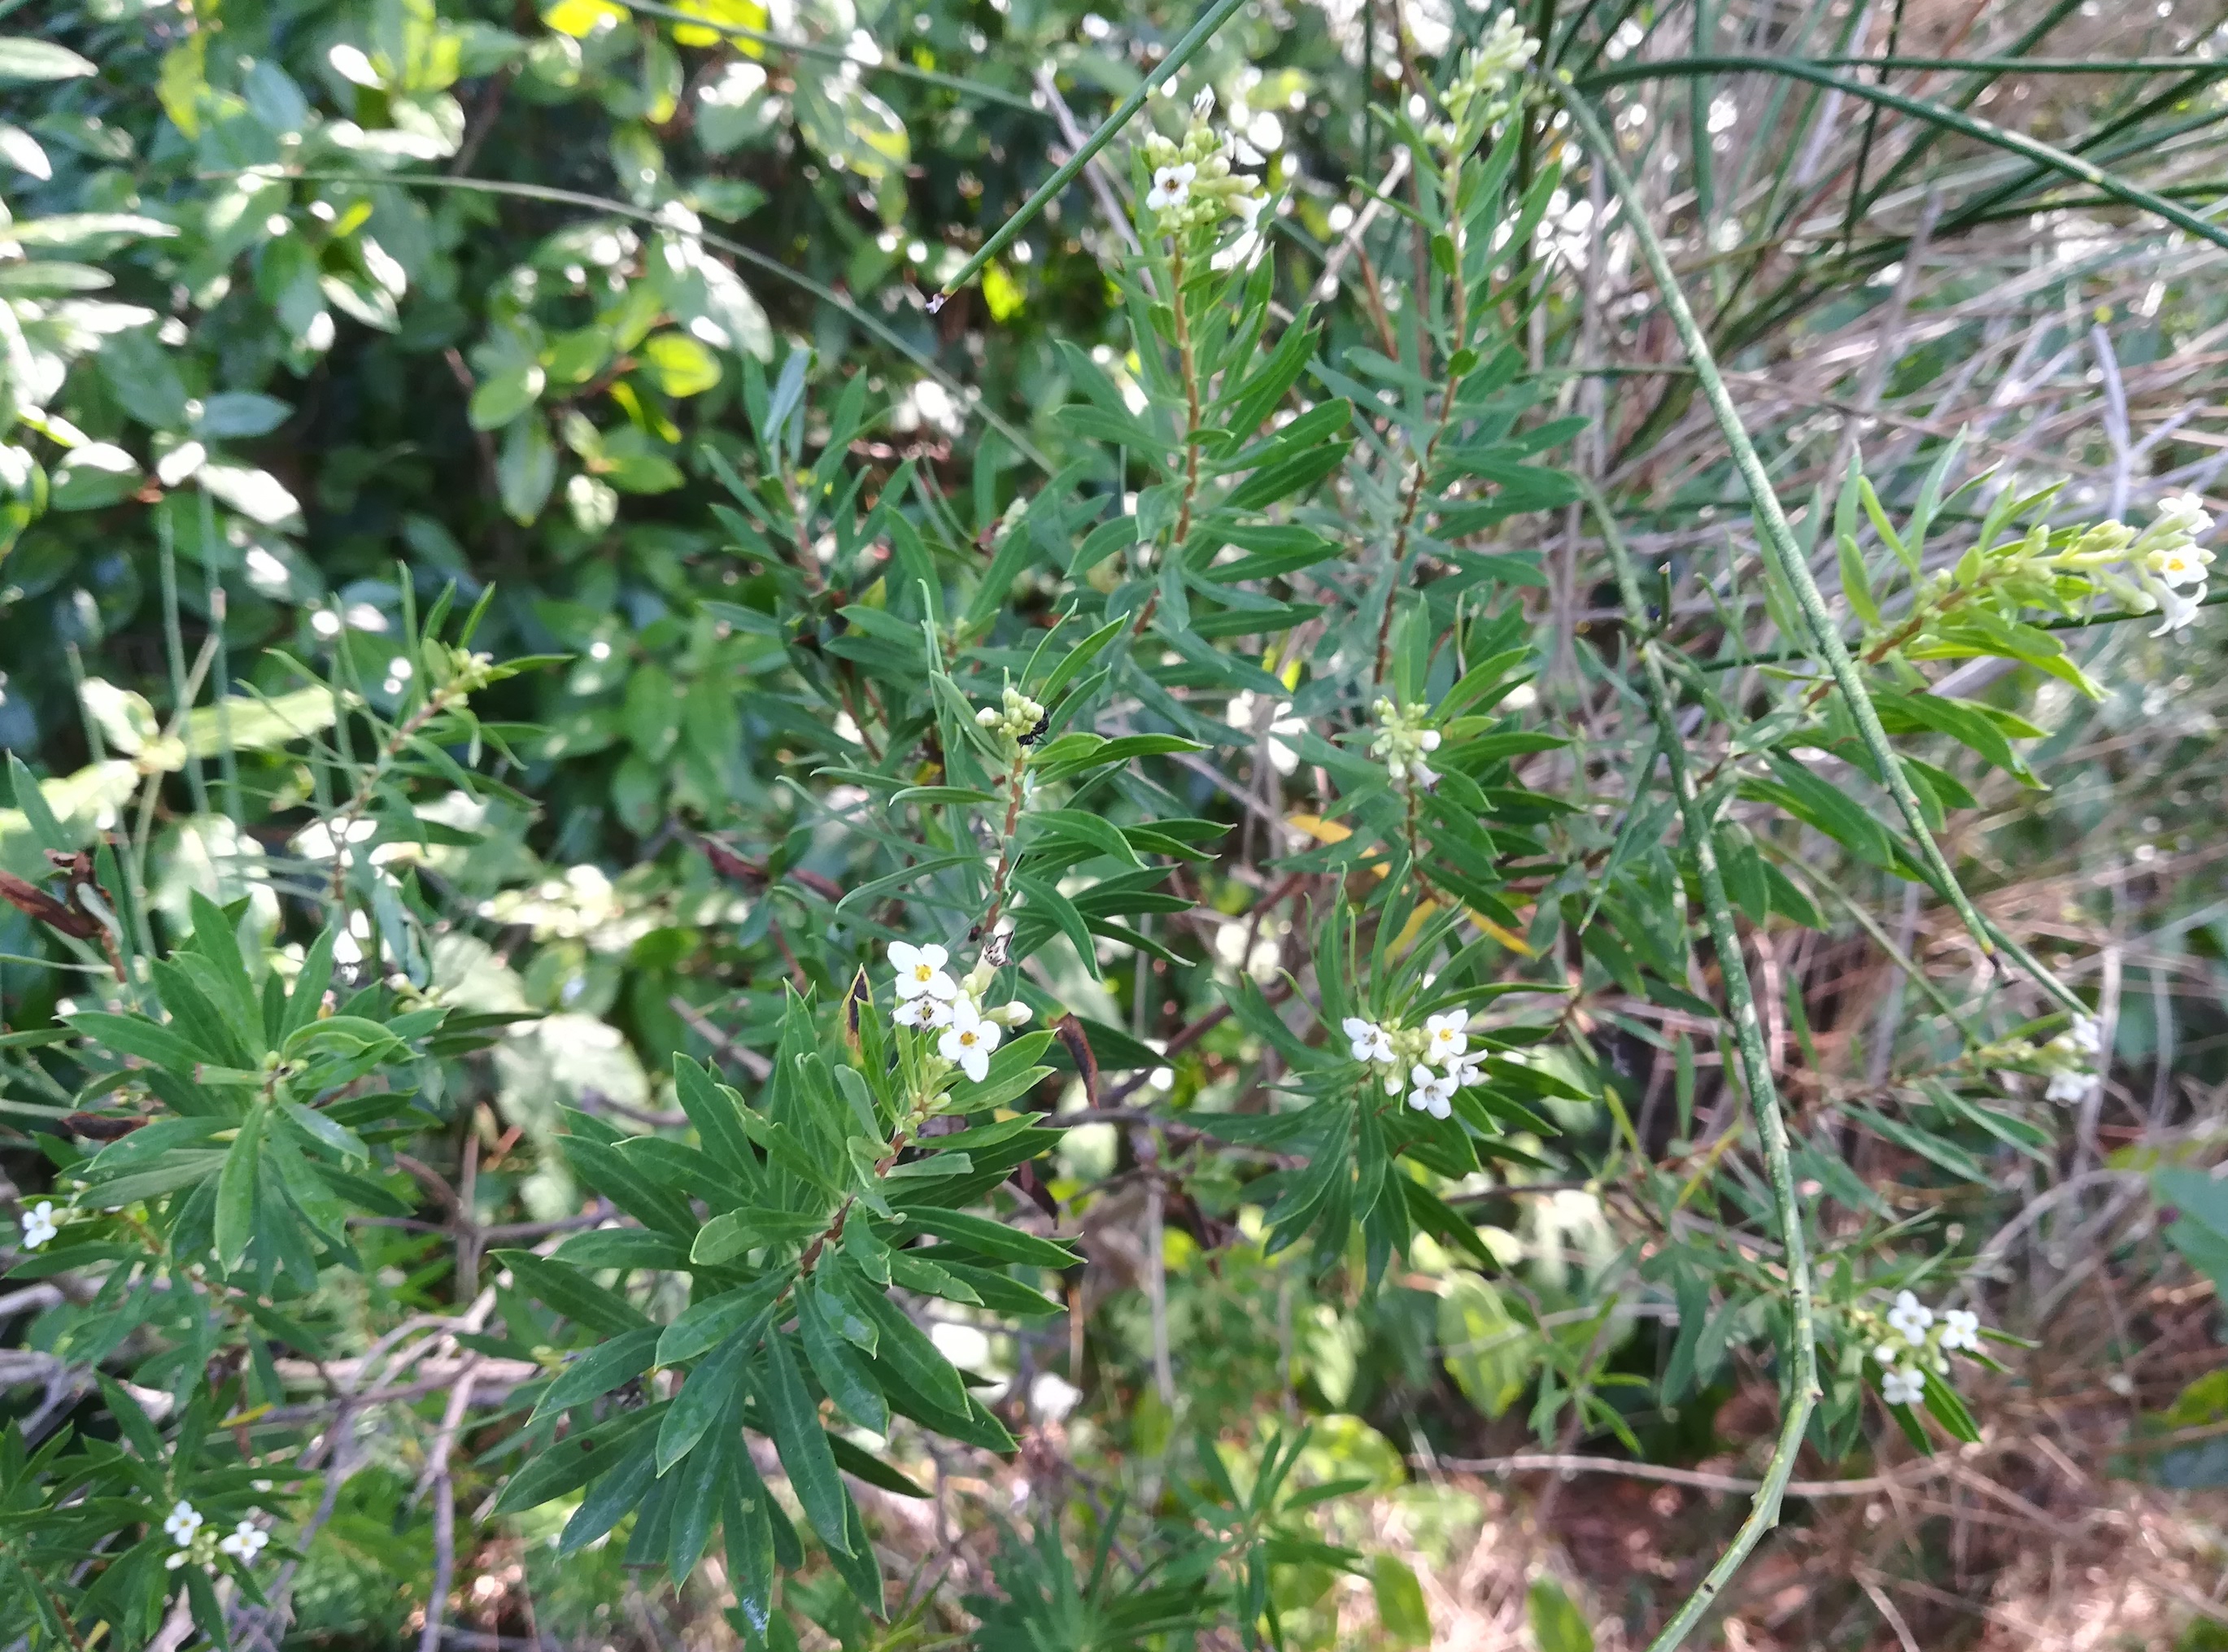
181,1523
2177,608
39,1227
1910,1317
1904,1387
1393,1083
1428,740
1446,1034
2071,1087
921,971
2184,513
1422,773
246,1542
1433,1093
1015,1013
2087,1036
923,1011
1171,186
1960,1330
1890,1352
968,1040
1466,1070
1370,1042
2180,565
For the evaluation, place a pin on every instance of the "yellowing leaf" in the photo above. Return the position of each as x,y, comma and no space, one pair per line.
1001,293
581,18
742,14
680,365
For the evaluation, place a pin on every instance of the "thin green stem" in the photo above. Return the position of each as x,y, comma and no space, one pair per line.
1185,50
1802,1392
1778,538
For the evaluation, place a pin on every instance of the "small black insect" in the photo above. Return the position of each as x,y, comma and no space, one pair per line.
1037,733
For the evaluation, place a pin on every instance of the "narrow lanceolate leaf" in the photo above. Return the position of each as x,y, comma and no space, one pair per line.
235,1189
993,1240
797,1436
707,1391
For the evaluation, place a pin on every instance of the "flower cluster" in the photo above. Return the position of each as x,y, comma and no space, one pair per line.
1404,1057
1476,98
1015,716
1910,1340
1402,739
39,1224
2161,569
1193,185
930,998
183,1527
2068,1061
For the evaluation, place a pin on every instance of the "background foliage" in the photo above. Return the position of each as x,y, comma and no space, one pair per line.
503,559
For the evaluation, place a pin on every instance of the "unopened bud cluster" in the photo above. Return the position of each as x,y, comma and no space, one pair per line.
1015,716
1478,97
1193,186
1910,1340
1403,738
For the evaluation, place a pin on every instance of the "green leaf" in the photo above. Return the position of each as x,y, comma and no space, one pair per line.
1556,1624
753,1228
23,59
1401,1612
599,1369
709,1389
795,1425
993,1240
568,1291
705,1324
679,365
235,1189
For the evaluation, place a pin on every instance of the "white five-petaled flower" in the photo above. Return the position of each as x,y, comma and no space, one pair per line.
1910,1317
2177,608
1961,1328
38,1227
2069,1086
1171,186
1433,1093
180,1523
1370,1042
968,1040
1467,1069
246,1541
921,972
1445,1032
923,1011
2180,565
2087,1036
1904,1386
2185,512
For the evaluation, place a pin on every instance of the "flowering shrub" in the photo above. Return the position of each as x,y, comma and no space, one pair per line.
644,1029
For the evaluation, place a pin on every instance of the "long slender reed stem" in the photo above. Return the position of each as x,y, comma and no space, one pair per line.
1801,1391
1778,538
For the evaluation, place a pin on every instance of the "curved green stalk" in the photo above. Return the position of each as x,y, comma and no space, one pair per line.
1185,50
1764,1102
1778,539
